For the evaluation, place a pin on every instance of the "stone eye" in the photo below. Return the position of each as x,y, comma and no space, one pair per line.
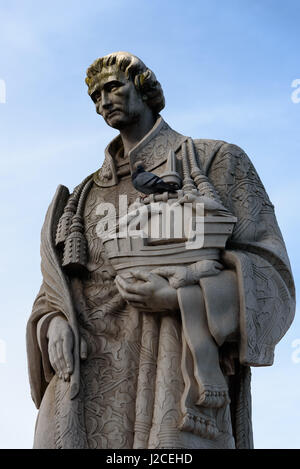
114,88
96,96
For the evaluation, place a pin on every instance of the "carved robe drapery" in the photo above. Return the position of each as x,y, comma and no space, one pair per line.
131,384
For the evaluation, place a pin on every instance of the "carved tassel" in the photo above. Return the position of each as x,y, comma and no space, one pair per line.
204,186
75,250
64,224
188,183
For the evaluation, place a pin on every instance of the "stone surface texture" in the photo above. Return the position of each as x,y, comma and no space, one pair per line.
144,343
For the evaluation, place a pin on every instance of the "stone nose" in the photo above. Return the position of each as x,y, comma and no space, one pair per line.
105,99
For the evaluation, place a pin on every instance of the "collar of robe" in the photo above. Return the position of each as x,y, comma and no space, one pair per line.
151,151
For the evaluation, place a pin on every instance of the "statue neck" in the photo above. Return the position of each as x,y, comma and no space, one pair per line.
134,133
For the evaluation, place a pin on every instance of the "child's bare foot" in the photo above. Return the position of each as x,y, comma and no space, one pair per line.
213,396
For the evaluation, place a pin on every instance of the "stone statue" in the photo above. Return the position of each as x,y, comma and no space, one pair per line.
147,341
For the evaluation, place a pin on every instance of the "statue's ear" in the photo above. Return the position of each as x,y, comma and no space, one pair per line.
138,82
141,80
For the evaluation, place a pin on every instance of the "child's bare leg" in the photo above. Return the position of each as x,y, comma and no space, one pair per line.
222,305
213,390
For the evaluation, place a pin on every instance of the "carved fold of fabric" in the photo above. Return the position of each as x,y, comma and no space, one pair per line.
37,379
257,252
261,288
168,387
58,295
59,298
70,431
146,381
242,417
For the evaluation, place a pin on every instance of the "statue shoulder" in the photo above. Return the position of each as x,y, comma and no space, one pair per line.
210,151
63,191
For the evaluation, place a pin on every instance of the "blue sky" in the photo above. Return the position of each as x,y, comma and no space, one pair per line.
226,68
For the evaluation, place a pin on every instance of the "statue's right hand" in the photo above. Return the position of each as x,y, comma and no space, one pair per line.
60,347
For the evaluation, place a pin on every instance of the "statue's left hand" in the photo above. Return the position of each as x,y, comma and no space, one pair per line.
148,292
60,347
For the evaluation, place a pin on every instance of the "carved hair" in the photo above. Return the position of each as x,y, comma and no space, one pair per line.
134,69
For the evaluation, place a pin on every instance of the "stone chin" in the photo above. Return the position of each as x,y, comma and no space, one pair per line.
119,120
116,120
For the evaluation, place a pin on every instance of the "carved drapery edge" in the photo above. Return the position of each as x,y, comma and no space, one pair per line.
56,284
243,419
58,294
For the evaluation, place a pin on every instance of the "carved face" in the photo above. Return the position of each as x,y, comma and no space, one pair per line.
116,99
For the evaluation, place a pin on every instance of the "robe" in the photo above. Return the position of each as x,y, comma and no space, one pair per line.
133,384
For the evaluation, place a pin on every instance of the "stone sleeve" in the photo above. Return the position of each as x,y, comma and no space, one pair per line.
258,254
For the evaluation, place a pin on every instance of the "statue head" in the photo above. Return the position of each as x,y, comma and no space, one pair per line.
121,83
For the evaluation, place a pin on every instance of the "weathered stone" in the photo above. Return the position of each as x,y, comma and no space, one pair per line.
147,342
